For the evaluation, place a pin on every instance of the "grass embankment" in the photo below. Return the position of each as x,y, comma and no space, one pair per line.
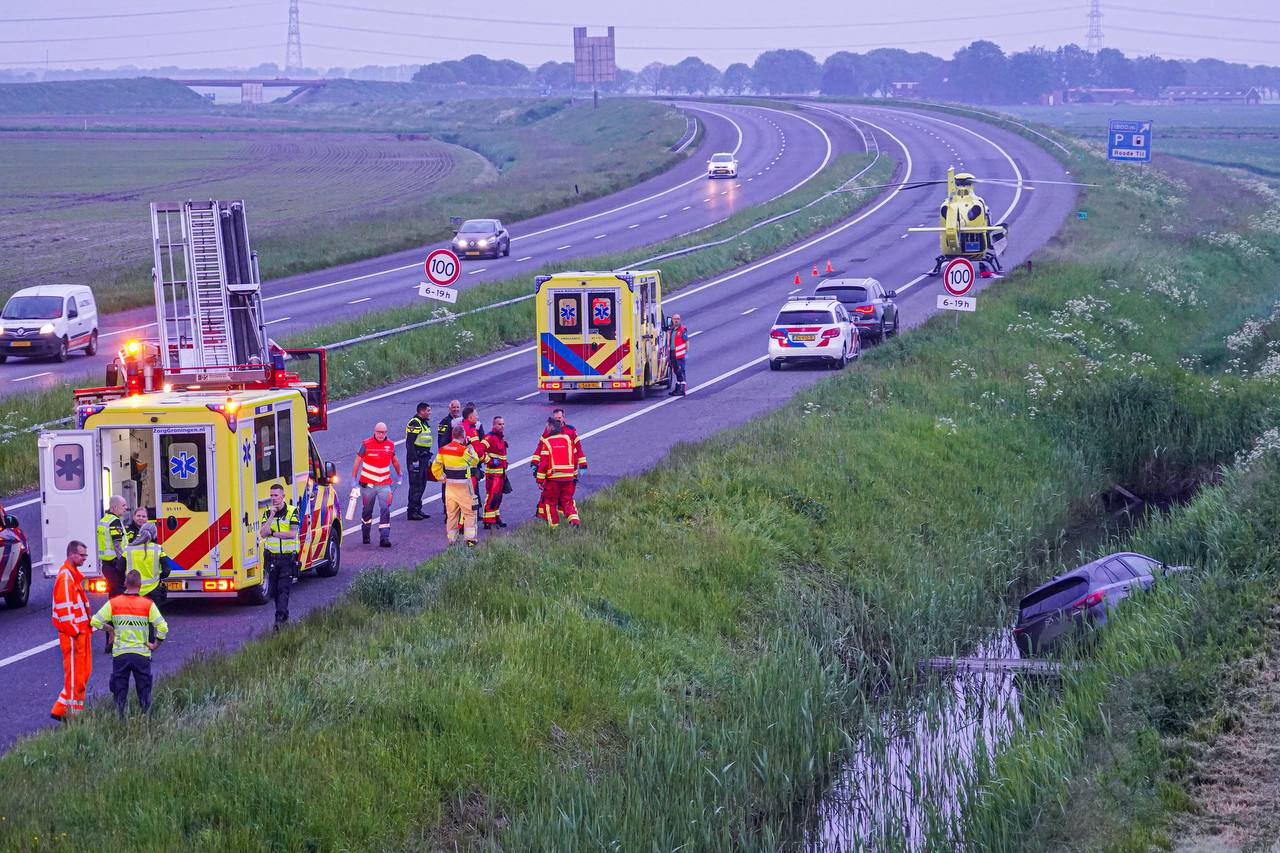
142,94
77,202
688,669
359,368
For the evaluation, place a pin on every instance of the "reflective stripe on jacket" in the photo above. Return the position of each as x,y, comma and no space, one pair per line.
282,523
495,453
70,603
375,461
133,617
557,458
679,342
418,439
146,559
455,461
111,535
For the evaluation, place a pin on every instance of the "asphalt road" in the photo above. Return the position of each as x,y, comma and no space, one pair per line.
777,150
729,382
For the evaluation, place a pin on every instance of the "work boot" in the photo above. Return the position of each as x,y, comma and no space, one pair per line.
385,543
500,523
471,543
488,525
364,536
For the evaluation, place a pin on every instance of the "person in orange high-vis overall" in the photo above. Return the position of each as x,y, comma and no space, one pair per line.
375,459
71,618
558,474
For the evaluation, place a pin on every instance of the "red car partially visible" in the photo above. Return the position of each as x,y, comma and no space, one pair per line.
15,562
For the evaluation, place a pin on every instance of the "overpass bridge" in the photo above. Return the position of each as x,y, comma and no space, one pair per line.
251,87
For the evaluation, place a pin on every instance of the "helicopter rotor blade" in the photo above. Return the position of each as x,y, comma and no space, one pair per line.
906,185
1015,182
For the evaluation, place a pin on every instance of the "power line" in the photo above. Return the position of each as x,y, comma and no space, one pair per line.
1196,36
1199,15
274,46
135,14
202,31
472,19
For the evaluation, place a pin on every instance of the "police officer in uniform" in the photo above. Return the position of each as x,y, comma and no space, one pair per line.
418,443
281,531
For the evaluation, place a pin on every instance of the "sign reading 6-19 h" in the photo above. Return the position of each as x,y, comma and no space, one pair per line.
443,267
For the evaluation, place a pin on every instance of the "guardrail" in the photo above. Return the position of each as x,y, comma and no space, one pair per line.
690,134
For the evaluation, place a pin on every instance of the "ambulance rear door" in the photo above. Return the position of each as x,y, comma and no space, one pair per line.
70,495
585,342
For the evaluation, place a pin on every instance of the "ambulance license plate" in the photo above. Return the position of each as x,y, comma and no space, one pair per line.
805,337
174,586
588,384
20,343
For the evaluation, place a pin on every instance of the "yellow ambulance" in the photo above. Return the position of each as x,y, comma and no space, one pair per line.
200,453
601,332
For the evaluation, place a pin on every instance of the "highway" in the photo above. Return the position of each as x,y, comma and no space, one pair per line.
729,382
778,151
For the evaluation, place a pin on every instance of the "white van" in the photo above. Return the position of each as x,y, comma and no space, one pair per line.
49,320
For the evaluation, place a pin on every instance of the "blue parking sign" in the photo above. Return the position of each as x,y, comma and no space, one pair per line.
1129,140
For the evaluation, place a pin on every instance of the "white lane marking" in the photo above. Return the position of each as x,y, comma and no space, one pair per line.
664,216
735,186
530,394
724,192
637,225
525,258
912,283
562,248
128,330
904,236
686,207
695,334
476,272
797,290
706,200
278,320
333,410
32,376
358,301
599,236
749,311
34,650
293,293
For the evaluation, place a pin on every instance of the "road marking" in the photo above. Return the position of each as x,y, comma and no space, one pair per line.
530,394
695,334
912,283
637,225
32,376
686,207
525,258
599,236
281,320
562,248
797,290
706,200
664,216
34,650
724,192
477,272
358,301
749,311
904,236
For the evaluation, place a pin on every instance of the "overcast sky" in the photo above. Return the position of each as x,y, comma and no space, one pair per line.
198,34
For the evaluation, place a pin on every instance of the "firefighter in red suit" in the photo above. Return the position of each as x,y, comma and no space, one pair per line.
557,474
557,415
494,445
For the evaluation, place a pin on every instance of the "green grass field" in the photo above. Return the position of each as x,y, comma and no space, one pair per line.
73,204
690,669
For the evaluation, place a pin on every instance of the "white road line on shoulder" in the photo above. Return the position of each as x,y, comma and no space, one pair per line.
664,216
34,650
686,207
525,258
532,394
477,272
280,320
599,236
750,311
904,288
695,334
637,225
32,376
562,248
796,290
358,301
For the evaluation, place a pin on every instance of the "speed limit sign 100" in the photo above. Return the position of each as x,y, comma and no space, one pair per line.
443,268
957,276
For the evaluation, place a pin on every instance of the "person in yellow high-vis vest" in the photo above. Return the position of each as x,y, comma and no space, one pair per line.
281,531
144,555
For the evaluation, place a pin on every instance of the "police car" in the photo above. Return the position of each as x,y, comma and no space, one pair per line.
813,328
15,562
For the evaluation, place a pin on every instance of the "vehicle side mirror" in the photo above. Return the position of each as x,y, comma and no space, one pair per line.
892,294
11,522
331,472
666,324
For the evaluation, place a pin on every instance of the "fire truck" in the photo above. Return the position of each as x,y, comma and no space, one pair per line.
199,424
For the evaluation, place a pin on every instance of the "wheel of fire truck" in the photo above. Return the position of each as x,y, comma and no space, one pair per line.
21,591
332,554
556,397
259,593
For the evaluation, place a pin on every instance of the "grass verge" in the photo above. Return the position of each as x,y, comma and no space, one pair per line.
690,668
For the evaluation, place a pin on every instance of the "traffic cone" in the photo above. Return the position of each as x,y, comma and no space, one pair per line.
797,278
829,269
815,269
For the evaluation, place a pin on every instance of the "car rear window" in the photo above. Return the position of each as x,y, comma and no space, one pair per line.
847,295
804,318
1053,596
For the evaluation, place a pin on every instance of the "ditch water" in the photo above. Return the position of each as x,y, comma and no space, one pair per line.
904,786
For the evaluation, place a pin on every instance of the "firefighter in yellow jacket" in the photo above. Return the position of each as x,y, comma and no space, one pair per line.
454,466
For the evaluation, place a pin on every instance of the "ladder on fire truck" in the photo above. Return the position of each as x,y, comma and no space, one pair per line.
207,289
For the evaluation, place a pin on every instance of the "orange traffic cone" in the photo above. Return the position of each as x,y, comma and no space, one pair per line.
829,269
797,278
815,269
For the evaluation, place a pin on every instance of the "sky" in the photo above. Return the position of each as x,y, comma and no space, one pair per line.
350,33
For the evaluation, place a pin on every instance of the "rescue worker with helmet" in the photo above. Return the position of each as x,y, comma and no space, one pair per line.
375,459
71,619
568,429
146,557
111,538
454,467
135,629
679,349
496,483
557,474
418,443
281,529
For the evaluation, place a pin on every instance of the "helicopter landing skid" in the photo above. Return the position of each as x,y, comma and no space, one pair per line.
988,263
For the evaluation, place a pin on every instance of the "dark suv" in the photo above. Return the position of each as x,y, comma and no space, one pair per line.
872,307
480,237
15,562
1080,599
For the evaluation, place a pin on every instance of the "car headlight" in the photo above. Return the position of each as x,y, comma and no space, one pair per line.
483,242
46,329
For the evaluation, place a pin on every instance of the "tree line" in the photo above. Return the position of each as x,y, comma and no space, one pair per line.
980,72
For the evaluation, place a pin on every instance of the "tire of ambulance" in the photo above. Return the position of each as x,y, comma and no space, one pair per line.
64,347
642,391
21,591
92,348
332,554
556,397
258,594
